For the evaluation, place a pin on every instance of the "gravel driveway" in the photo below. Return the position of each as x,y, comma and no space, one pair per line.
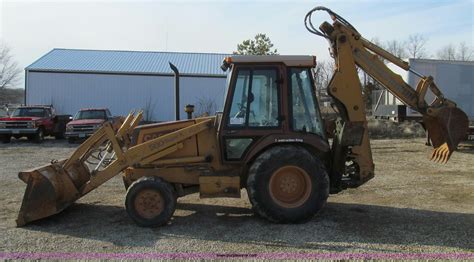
411,206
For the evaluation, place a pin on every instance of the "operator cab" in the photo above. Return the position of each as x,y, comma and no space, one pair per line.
269,99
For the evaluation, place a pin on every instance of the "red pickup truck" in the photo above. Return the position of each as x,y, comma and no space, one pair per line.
86,122
33,122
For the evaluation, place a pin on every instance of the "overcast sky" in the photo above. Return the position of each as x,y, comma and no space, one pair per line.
32,28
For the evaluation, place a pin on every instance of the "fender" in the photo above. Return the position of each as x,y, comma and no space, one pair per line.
314,143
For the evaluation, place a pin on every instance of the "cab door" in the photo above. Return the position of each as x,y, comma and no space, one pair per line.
48,121
253,109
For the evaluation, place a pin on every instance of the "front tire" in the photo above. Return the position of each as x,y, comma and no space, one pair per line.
286,184
6,139
39,136
59,136
150,201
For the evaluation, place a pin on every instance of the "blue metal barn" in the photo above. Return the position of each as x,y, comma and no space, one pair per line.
71,79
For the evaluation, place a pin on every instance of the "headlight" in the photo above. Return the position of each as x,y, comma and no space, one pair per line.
97,126
69,128
31,124
3,124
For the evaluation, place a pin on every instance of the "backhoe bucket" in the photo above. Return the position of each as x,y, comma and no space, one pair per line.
50,189
447,127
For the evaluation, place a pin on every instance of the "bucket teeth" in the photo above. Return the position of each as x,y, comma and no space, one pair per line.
441,154
446,128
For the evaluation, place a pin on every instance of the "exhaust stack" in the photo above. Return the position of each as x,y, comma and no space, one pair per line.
176,89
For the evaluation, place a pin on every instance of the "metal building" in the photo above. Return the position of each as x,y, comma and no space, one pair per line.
71,79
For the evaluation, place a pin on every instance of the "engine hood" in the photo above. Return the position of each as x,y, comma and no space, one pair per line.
20,118
86,122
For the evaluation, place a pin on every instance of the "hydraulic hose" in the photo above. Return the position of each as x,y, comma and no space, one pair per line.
312,29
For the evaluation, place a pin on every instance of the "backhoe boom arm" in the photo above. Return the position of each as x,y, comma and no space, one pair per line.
445,123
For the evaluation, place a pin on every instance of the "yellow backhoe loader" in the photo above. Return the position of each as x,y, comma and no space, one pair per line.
270,139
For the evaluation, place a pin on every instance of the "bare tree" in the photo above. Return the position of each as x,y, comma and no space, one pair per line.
323,73
11,96
465,52
376,41
397,48
149,109
205,106
447,52
9,70
416,46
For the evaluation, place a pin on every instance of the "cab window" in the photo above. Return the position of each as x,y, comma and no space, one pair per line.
255,99
90,114
31,112
306,116
237,111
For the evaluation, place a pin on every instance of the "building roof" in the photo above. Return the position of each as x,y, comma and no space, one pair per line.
129,62
438,61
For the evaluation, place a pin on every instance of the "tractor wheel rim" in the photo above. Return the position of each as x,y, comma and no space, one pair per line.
149,203
290,186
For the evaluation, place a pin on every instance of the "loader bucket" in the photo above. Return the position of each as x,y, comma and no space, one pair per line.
50,189
447,127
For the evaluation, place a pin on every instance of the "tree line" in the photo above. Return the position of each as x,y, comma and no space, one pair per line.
415,47
10,75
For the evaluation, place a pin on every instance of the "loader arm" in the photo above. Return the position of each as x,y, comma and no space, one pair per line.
52,188
445,123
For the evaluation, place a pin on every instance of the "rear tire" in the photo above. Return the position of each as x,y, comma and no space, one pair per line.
286,184
39,136
150,201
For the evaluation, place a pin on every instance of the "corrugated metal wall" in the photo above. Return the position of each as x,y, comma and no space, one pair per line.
455,79
69,92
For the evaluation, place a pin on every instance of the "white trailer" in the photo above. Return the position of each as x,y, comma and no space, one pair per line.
454,78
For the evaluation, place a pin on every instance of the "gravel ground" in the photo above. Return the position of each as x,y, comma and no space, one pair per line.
412,205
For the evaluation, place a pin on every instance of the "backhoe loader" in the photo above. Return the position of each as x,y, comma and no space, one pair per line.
270,139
